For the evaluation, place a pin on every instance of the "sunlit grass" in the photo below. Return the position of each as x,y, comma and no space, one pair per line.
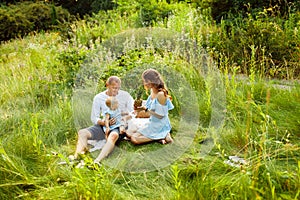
38,130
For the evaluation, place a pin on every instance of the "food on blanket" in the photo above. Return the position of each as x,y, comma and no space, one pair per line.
138,101
142,114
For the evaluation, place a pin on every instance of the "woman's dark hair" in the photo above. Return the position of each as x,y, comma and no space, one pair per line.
153,76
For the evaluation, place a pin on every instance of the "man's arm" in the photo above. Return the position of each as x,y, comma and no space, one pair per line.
96,111
125,102
130,103
101,122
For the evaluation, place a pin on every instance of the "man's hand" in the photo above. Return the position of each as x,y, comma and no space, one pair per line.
112,121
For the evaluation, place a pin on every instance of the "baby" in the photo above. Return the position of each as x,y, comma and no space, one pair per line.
113,112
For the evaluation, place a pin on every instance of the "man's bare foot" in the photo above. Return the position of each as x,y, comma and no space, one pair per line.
79,154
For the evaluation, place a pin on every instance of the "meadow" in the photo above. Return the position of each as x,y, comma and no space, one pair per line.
236,127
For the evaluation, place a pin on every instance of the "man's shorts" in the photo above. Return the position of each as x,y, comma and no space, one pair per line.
97,133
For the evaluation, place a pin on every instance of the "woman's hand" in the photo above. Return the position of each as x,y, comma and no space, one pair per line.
142,114
141,108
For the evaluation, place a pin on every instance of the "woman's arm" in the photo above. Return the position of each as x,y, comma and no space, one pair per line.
161,98
151,112
142,114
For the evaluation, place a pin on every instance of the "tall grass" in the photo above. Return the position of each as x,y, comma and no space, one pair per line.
38,123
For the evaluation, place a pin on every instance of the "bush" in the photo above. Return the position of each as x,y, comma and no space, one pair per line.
13,24
86,7
153,11
220,8
23,18
271,43
148,12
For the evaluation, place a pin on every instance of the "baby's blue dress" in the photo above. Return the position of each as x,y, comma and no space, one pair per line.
157,128
114,114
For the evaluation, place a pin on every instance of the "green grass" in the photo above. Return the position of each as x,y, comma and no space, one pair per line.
257,121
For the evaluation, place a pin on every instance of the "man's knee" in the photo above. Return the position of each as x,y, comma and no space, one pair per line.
84,133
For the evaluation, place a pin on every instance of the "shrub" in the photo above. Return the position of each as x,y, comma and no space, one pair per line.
270,43
23,18
153,11
148,12
220,8
13,24
86,7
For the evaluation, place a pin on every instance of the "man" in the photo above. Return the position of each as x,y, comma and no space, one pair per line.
99,107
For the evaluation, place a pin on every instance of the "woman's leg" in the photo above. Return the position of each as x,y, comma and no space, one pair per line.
130,133
132,129
138,138
108,147
168,139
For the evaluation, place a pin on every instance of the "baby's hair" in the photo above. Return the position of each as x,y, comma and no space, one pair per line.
110,101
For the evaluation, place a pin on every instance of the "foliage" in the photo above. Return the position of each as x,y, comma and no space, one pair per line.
39,75
267,41
147,12
77,8
220,9
153,11
93,30
23,18
69,65
82,8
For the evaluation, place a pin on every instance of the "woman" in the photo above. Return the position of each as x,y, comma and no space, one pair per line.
158,104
